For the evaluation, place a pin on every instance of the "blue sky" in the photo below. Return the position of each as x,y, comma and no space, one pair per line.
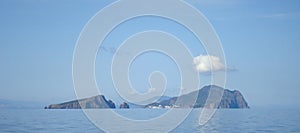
261,40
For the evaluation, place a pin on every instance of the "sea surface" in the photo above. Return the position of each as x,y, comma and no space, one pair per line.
281,120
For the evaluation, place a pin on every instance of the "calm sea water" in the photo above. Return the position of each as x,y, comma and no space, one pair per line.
225,120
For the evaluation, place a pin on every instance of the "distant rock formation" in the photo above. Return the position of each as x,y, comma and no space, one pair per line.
87,103
230,99
124,105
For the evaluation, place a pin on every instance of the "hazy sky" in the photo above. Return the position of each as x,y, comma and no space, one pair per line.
261,41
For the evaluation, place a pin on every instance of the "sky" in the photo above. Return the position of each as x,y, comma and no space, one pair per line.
261,40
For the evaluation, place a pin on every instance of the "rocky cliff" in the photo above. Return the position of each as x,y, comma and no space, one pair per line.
233,99
92,102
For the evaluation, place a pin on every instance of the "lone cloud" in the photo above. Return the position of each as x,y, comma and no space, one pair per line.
209,63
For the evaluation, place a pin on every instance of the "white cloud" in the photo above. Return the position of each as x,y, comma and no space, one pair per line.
208,63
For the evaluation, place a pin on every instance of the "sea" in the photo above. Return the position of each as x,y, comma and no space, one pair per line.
281,120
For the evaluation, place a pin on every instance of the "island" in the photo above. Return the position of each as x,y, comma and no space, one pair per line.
96,102
230,99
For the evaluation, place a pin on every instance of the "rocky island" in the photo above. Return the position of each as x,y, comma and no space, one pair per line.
87,103
230,99
124,105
